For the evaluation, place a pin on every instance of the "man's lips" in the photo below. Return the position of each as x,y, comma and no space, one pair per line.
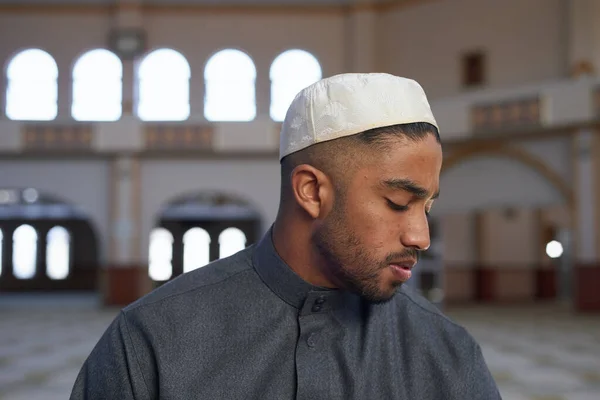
407,264
402,269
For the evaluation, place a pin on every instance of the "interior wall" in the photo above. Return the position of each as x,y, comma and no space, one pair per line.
510,238
425,41
458,235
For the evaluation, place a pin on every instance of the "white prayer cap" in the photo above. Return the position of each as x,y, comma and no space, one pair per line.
348,104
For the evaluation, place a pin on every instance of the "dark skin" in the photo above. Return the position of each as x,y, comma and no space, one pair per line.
343,229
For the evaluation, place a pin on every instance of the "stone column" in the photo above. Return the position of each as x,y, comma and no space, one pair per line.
126,277
128,15
586,171
129,87
263,86
197,93
125,171
3,88
65,88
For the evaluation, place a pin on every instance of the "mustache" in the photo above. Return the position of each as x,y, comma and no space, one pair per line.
407,253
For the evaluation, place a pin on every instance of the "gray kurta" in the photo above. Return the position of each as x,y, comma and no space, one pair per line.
247,327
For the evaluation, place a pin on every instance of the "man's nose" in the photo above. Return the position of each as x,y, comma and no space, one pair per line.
416,234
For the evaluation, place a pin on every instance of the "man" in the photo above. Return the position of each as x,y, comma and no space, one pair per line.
316,309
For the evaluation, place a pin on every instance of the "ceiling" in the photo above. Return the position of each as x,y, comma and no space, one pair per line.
201,2
212,5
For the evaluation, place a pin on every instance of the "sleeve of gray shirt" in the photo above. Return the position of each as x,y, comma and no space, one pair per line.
114,368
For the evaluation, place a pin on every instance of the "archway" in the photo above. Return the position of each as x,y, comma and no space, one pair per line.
513,153
203,227
499,207
47,244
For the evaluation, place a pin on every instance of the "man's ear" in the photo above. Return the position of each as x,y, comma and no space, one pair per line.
312,190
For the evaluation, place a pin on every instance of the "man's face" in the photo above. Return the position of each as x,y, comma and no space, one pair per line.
377,226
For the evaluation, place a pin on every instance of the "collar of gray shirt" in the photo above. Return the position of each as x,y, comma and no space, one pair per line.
290,287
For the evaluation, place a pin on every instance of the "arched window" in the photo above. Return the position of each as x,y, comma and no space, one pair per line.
58,253
97,87
231,240
291,71
32,91
164,86
196,249
24,252
161,255
230,77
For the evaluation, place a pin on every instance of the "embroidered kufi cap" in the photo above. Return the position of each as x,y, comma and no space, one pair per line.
348,104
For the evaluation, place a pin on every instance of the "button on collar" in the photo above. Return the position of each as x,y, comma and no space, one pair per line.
321,301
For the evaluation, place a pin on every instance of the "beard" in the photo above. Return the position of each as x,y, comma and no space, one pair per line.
349,261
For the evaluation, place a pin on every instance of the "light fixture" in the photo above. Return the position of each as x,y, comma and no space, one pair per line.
554,249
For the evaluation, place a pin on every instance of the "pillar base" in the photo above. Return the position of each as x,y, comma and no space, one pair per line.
124,284
501,284
586,294
545,283
485,284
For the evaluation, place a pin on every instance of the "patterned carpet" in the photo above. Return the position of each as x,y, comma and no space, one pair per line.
535,353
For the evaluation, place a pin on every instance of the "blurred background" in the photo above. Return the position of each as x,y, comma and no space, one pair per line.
139,140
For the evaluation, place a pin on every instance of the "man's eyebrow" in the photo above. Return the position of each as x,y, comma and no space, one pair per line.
409,186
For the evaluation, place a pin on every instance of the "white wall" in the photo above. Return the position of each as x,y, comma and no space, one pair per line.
489,182
510,241
458,237
525,41
84,183
257,181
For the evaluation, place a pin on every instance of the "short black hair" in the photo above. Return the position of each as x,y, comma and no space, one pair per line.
328,156
413,132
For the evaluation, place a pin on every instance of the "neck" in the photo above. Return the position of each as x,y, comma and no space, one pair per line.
292,241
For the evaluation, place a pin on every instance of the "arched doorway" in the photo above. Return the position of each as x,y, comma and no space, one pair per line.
499,208
46,244
196,229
